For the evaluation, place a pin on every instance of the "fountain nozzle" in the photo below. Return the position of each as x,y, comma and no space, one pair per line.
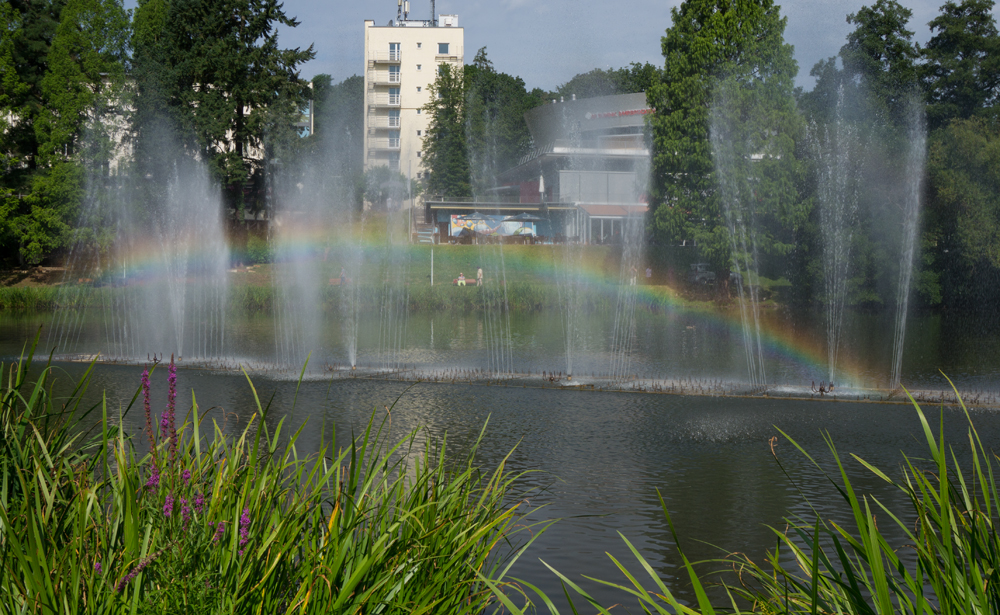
569,377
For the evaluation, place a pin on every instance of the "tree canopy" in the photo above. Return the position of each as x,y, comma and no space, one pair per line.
225,82
730,56
961,71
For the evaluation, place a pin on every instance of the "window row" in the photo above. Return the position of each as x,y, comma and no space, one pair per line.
395,49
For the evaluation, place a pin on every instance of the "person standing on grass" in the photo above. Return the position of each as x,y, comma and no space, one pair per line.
649,275
479,277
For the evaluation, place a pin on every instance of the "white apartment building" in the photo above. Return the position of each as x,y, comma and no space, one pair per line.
401,63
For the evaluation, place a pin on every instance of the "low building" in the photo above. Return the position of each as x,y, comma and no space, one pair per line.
588,173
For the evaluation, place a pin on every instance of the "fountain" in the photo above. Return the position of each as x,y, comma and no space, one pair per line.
158,272
343,285
737,151
839,152
910,206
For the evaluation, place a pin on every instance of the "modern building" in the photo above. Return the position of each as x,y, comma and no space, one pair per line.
401,63
587,174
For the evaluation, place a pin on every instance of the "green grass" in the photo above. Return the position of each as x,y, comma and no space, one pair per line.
947,563
376,527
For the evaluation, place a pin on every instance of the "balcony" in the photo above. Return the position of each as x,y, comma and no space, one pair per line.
384,144
383,99
381,77
383,121
384,57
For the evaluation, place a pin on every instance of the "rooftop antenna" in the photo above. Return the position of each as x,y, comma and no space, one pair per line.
399,10
434,16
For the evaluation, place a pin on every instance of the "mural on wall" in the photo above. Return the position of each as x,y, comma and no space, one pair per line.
491,225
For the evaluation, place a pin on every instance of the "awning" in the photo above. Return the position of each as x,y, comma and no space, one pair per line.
614,211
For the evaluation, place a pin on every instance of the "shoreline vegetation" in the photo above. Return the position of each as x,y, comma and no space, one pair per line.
533,276
210,522
207,522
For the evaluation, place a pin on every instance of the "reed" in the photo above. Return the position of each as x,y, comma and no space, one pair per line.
947,563
210,523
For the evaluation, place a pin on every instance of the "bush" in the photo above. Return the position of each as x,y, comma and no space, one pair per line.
258,250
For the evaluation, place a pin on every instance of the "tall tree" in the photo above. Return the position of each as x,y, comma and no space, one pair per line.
229,86
84,84
739,45
446,157
339,138
963,167
497,134
880,53
599,82
961,72
32,41
12,88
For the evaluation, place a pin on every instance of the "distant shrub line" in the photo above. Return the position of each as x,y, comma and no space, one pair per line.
520,297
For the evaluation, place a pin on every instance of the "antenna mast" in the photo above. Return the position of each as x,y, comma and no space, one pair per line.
434,17
399,10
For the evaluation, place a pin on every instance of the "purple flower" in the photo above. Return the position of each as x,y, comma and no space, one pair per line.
168,506
244,528
199,502
154,478
186,476
185,512
97,567
135,571
219,531
171,407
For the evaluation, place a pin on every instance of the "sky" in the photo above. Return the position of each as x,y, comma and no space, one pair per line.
547,42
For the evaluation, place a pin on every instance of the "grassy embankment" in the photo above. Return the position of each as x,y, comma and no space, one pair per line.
210,523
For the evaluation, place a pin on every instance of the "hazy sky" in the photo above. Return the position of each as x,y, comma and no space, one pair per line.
546,42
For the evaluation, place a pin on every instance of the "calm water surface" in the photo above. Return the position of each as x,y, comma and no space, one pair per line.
601,458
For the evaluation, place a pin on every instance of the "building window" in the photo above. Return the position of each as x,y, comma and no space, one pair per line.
419,174
419,154
394,97
418,88
394,52
393,139
419,45
442,49
393,74
418,111
419,132
393,118
418,67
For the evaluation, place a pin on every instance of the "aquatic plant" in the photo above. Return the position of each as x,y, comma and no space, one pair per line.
947,561
238,524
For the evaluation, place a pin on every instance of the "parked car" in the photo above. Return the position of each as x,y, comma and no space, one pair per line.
701,274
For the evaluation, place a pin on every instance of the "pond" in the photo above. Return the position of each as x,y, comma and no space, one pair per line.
598,460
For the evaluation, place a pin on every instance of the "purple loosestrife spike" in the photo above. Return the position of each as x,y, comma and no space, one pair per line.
97,567
185,512
186,476
199,502
168,506
154,479
244,529
219,531
135,571
171,407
